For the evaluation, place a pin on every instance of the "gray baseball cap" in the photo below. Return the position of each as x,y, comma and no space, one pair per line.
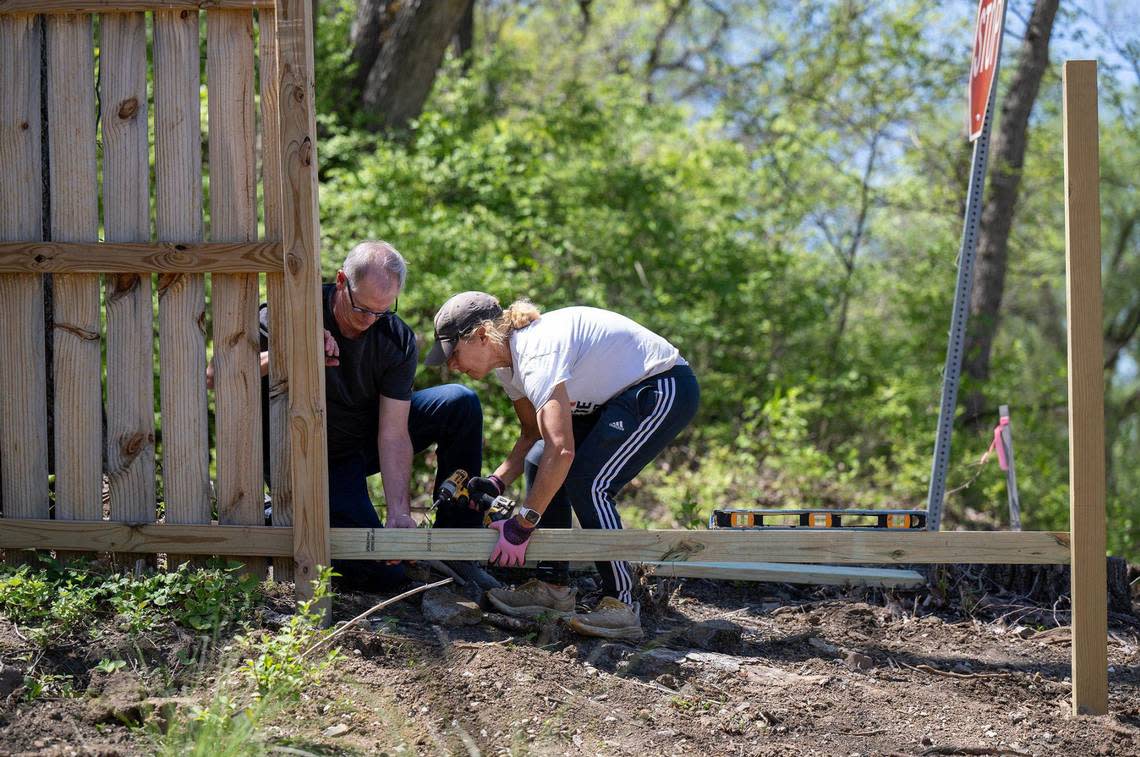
459,315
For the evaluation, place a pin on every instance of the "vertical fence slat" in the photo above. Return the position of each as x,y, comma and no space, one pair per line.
233,218
75,218
281,492
130,317
181,297
23,400
300,238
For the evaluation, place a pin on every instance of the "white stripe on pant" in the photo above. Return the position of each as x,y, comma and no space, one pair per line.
604,506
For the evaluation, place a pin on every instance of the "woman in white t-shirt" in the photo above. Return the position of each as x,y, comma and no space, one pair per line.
603,395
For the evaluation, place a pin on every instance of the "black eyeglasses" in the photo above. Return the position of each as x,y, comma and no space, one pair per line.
389,312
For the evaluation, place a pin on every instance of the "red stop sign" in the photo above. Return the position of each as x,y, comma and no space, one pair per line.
987,46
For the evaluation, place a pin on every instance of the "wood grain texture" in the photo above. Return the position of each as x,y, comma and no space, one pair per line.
828,547
130,311
181,296
1002,547
280,486
23,402
74,217
233,218
16,7
107,536
1086,389
824,575
151,257
300,237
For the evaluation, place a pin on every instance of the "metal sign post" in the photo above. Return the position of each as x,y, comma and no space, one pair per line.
983,75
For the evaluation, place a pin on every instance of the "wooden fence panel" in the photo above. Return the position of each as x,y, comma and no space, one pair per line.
181,296
281,487
23,401
74,217
233,218
130,314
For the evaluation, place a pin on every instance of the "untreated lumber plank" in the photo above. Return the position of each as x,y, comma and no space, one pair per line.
280,486
77,358
233,218
1086,389
144,257
23,399
1024,547
130,310
16,7
300,238
825,575
830,547
181,295
107,536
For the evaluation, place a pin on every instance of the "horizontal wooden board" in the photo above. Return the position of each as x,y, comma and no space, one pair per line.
830,547
140,257
13,7
843,547
825,575
106,536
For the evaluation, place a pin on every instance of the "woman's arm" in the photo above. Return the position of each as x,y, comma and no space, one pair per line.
512,467
557,430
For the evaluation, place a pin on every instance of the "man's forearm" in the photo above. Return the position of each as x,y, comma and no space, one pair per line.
396,473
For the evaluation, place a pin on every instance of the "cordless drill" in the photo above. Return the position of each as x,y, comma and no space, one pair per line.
453,492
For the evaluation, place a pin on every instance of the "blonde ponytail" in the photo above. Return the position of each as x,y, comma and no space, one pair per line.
519,315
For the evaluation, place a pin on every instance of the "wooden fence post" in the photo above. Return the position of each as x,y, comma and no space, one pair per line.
300,238
1086,389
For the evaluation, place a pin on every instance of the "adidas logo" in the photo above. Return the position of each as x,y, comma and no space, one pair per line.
617,425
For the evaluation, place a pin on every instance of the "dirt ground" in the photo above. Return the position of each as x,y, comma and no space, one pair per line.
725,669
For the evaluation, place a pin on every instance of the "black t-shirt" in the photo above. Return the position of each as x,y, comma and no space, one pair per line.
380,362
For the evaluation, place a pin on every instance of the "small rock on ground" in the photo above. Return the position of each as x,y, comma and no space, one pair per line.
448,609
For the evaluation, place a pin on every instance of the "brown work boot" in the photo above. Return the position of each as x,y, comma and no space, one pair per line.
532,599
612,619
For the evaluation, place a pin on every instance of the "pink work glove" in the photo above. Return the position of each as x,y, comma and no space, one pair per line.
511,549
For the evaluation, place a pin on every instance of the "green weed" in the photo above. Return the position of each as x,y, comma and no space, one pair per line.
56,600
272,672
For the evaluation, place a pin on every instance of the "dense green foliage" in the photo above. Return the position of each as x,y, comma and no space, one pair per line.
787,212
57,600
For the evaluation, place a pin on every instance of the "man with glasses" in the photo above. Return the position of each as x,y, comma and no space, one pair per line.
376,422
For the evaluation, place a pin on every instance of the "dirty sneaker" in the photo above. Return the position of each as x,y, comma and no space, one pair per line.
533,599
612,619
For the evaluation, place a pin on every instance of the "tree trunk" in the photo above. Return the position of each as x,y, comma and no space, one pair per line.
465,37
997,215
409,40
372,23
